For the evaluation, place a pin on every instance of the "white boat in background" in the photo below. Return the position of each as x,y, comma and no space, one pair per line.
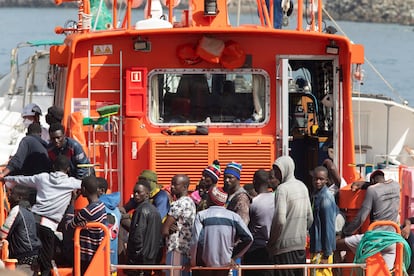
26,82
383,132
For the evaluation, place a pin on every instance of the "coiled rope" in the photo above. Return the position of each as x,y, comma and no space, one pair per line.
375,241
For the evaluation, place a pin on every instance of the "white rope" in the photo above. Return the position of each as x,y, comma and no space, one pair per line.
86,21
98,14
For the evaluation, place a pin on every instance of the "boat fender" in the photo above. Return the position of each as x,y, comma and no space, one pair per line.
187,55
233,55
210,49
185,130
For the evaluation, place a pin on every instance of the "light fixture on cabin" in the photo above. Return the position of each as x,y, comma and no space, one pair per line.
332,48
331,30
142,45
210,7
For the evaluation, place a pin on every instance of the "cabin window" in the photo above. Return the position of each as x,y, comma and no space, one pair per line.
213,97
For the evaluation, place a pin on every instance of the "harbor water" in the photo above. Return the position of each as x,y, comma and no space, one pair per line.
388,70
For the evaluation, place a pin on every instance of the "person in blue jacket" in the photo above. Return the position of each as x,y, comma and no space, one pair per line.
111,202
322,232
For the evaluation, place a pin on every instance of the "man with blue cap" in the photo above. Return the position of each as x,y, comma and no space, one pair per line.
238,199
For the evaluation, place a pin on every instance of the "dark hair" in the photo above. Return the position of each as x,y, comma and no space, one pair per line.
54,115
55,127
61,163
90,183
320,169
261,177
144,182
249,186
184,178
21,191
102,183
34,128
375,174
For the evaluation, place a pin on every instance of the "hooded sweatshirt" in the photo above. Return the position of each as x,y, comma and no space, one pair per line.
293,213
113,215
54,191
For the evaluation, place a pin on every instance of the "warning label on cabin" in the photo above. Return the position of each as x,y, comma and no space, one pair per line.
102,49
136,76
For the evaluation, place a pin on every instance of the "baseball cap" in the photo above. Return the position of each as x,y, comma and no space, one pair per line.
31,110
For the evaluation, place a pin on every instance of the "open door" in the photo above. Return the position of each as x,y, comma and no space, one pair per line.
306,107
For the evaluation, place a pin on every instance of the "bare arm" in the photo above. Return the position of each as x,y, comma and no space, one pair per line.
168,226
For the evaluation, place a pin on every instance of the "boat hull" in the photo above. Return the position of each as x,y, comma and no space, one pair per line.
383,131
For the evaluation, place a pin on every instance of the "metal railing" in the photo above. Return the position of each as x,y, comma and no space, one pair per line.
239,268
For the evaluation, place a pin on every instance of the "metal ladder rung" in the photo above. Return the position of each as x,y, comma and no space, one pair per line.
105,91
103,144
112,144
107,170
104,65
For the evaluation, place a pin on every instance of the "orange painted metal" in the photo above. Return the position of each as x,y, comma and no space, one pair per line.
100,264
4,254
376,265
143,145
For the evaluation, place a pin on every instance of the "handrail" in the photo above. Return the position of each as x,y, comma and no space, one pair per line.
240,268
2,204
387,156
8,263
265,14
102,253
398,263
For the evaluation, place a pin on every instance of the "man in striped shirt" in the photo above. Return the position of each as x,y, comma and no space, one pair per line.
214,234
90,238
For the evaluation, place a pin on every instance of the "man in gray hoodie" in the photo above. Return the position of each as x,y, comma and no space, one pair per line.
54,191
292,218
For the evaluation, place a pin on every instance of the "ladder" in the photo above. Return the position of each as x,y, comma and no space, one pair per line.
109,121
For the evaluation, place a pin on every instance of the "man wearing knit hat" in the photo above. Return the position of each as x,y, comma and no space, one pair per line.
211,174
213,244
238,200
158,197
209,178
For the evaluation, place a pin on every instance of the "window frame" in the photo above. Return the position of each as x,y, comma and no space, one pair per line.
153,105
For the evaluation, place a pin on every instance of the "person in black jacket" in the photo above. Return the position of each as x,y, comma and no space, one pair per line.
144,242
20,231
31,157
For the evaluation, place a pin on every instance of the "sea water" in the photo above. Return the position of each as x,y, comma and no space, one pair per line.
388,70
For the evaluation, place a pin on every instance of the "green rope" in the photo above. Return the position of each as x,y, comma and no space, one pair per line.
375,241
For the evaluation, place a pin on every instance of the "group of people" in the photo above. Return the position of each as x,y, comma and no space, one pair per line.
218,225
41,179
223,225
